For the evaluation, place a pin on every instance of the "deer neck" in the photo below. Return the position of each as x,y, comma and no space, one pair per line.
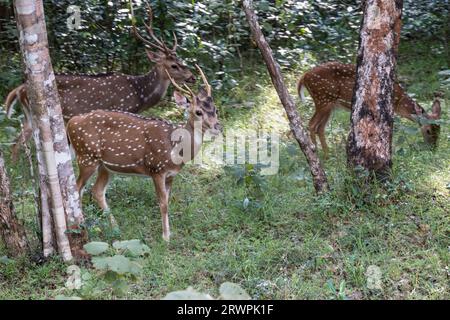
196,136
152,87
409,108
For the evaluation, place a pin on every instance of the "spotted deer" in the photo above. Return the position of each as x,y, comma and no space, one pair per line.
125,143
83,93
331,85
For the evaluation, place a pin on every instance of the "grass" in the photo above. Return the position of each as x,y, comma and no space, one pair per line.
287,243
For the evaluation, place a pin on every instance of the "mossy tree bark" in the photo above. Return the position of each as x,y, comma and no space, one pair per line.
370,139
299,132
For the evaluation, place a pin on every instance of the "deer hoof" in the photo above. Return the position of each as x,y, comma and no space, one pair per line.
166,237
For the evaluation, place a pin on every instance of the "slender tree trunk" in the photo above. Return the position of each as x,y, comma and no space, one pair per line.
48,237
300,134
11,231
370,139
446,31
53,151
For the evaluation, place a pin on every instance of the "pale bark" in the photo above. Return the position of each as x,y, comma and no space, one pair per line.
48,241
295,122
42,93
11,231
370,139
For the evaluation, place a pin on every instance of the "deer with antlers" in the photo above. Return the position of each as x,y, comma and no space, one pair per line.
83,93
331,85
125,143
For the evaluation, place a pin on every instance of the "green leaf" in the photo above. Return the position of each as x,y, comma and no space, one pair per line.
95,248
331,286
100,263
10,130
5,260
245,203
188,294
63,297
111,276
232,291
118,264
133,247
135,268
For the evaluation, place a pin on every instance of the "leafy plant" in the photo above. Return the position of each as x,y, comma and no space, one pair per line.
114,266
227,290
337,293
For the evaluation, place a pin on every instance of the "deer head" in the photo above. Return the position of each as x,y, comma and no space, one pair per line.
430,131
164,57
200,106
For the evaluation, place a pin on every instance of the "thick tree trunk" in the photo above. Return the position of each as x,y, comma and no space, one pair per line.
11,231
300,134
370,139
53,152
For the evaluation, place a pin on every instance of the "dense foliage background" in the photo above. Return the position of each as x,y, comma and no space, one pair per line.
211,32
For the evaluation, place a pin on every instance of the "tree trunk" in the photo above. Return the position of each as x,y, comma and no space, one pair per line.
300,134
53,151
11,231
370,139
48,237
447,33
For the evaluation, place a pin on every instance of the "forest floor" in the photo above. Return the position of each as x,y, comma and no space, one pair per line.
272,234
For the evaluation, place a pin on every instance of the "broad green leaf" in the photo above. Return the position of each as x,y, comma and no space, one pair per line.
232,291
188,294
118,263
63,297
133,247
5,260
135,268
95,248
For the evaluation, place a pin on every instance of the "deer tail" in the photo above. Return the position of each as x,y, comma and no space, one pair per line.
301,88
11,101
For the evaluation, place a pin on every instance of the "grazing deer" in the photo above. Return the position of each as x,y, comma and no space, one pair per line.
83,93
331,85
125,143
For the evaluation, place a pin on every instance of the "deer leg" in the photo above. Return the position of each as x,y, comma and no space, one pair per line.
22,139
169,181
99,188
313,123
321,130
163,197
85,173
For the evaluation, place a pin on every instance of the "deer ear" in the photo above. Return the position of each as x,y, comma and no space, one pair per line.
181,100
436,109
153,56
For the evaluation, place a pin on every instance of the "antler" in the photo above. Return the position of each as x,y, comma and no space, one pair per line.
175,41
187,92
160,45
149,26
205,81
